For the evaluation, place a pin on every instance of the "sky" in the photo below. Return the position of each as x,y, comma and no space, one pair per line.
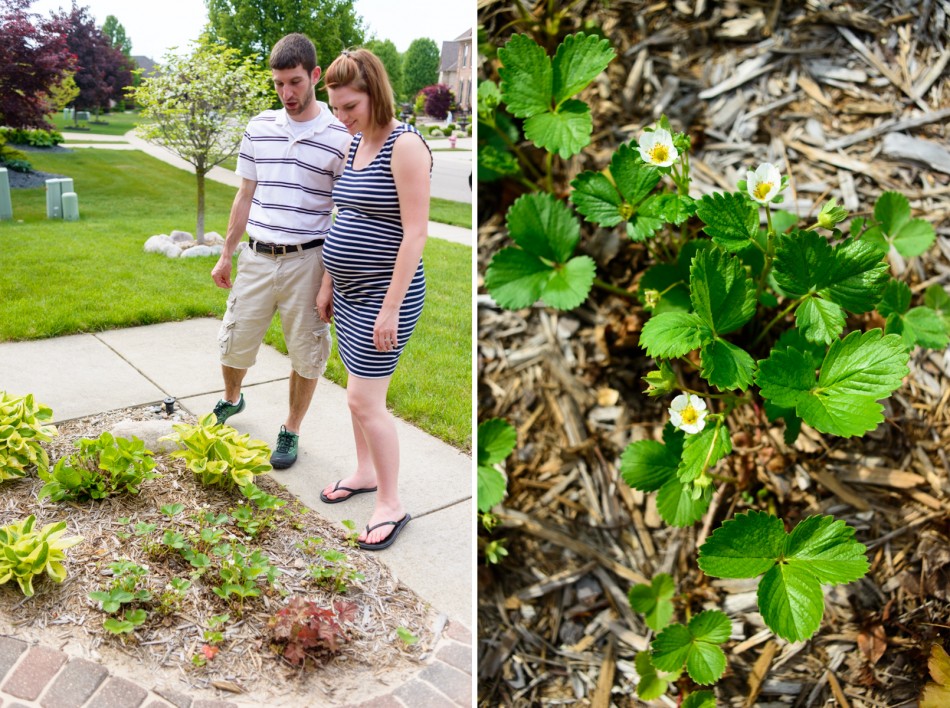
155,27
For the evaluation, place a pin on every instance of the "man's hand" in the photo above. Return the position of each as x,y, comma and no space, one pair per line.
221,273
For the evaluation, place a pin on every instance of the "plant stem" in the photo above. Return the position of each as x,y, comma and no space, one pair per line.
776,320
614,289
549,168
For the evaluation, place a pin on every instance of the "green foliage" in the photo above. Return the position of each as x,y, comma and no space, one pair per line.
924,325
496,440
239,571
695,645
700,699
198,106
653,683
543,267
22,431
538,89
26,553
819,551
420,66
856,372
34,137
103,466
896,229
218,454
126,587
253,27
654,601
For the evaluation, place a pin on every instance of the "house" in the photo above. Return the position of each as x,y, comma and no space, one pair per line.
455,70
145,64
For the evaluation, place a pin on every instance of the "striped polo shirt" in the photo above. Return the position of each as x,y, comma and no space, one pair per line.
295,175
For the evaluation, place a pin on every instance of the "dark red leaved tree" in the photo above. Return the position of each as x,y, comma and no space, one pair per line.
102,71
34,56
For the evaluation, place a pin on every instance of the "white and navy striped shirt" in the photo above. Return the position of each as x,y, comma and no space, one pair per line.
295,175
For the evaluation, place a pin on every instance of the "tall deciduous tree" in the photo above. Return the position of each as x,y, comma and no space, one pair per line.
114,30
198,106
34,57
420,66
254,26
103,72
389,55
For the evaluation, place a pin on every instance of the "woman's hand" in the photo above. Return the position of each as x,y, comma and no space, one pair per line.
385,330
325,300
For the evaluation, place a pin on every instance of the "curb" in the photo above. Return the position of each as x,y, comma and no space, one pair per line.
40,676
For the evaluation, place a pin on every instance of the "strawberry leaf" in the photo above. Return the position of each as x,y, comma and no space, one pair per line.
819,551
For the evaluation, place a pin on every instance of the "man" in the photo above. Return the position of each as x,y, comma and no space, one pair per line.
289,161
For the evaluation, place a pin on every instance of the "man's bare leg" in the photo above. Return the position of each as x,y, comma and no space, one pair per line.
301,393
233,378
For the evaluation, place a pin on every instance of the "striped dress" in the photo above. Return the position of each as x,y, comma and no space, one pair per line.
360,256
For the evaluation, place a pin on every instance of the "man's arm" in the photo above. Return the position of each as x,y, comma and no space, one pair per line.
237,224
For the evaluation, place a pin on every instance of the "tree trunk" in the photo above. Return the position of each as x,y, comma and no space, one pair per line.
200,229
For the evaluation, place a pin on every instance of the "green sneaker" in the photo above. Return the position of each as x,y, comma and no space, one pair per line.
225,409
286,453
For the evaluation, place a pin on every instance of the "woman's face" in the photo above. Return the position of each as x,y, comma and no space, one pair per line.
351,107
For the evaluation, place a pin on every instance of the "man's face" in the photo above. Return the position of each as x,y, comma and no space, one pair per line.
295,88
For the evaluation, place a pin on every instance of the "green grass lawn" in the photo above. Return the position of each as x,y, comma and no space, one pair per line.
92,275
113,123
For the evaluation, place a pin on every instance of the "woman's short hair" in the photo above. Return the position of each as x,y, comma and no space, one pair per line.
362,70
294,50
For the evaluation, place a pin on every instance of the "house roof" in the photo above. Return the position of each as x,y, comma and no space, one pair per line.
467,34
144,63
450,56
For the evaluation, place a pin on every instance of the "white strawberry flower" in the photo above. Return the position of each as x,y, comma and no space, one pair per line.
656,148
764,183
688,413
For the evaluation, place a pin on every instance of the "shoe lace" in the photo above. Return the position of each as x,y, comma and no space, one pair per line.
221,407
285,441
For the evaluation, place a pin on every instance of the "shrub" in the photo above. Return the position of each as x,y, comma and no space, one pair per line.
438,99
435,130
32,136
12,158
21,432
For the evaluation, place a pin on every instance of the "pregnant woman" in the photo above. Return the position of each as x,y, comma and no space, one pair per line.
374,284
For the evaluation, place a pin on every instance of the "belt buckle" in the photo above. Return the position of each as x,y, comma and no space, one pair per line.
282,247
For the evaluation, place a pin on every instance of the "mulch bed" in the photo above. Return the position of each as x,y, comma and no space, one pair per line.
248,663
818,87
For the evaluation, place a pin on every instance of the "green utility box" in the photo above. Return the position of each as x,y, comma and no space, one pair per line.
6,206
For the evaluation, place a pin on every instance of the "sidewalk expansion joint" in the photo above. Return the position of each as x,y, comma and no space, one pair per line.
137,369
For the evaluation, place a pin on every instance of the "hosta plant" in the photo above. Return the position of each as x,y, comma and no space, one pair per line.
26,553
22,430
218,454
102,467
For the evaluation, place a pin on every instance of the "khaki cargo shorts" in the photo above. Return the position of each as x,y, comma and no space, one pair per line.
267,284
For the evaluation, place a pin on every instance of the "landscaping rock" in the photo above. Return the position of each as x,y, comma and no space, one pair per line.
213,238
162,244
196,251
149,432
181,237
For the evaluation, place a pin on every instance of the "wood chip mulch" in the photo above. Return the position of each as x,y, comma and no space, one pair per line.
248,666
851,100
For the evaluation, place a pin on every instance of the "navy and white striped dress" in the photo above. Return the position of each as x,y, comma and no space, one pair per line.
360,256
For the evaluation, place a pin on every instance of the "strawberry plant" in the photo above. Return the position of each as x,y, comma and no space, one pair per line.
496,440
21,432
218,454
128,579
102,467
305,629
746,307
26,553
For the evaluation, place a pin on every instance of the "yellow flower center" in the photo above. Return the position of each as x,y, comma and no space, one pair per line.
659,153
689,415
762,189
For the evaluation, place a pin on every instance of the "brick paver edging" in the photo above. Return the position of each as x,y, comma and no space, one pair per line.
37,675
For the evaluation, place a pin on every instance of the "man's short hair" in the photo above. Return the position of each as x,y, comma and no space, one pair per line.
292,51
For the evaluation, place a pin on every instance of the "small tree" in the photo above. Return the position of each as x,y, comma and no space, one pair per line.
438,101
198,106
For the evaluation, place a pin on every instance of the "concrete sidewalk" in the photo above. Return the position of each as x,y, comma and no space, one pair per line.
434,553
